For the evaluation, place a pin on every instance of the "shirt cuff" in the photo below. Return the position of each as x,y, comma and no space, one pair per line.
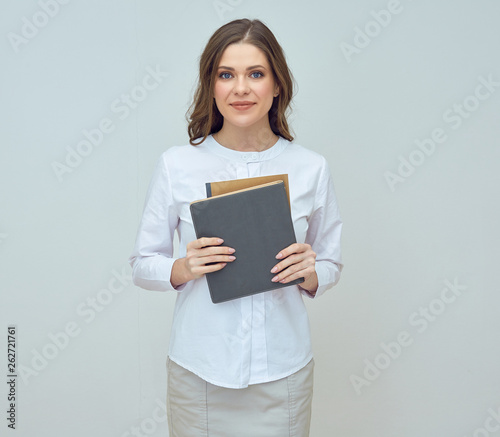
153,273
328,275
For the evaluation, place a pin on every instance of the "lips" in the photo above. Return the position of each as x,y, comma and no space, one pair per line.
242,105
242,102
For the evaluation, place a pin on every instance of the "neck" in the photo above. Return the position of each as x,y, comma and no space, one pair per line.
248,139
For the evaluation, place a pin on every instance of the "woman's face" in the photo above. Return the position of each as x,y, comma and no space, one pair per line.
244,75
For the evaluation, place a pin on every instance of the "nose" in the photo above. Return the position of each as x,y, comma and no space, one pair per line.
241,86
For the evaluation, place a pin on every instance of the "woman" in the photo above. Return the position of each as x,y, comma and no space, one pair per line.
242,367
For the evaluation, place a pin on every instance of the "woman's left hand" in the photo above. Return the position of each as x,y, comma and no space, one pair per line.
298,262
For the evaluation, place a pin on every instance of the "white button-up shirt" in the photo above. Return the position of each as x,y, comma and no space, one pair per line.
257,338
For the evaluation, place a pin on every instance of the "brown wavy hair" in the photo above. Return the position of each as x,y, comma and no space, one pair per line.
203,115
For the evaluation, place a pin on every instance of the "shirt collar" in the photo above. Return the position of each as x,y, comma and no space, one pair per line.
237,155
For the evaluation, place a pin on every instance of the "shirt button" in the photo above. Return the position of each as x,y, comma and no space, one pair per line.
254,155
244,157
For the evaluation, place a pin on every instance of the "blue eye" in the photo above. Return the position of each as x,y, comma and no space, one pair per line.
226,75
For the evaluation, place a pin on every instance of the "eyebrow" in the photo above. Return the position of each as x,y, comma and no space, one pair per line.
248,68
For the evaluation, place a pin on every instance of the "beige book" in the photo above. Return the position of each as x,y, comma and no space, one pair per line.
222,187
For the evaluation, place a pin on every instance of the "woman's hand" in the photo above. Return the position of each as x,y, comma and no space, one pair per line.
199,253
299,261
205,250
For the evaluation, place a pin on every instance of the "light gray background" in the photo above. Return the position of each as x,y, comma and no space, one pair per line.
63,242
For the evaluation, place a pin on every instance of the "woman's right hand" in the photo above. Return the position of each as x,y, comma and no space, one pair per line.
199,253
206,250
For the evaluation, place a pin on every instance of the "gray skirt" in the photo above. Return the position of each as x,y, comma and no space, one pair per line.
196,408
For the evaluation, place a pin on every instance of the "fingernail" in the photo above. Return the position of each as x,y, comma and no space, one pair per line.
232,258
279,255
274,270
274,279
231,250
220,240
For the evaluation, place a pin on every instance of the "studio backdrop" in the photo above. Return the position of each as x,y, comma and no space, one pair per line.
402,98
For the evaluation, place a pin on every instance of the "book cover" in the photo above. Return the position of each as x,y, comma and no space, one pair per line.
221,187
257,223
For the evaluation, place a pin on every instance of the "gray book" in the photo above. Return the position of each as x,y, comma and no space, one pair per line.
257,223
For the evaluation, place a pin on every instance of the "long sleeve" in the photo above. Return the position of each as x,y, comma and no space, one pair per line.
152,257
324,233
271,329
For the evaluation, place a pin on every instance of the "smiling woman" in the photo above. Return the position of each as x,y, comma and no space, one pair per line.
247,60
244,94
243,367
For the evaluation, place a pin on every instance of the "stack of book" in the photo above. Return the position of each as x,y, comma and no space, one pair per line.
252,216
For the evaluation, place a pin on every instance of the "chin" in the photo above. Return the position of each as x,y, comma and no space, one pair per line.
243,124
